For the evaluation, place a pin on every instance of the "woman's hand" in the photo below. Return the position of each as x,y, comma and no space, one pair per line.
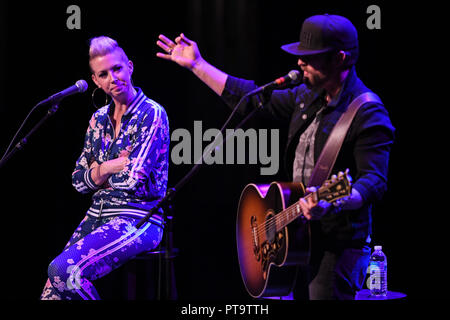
114,166
102,172
93,165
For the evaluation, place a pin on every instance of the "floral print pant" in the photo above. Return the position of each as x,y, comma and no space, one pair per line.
97,247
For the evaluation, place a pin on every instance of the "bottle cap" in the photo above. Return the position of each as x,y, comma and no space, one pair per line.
377,247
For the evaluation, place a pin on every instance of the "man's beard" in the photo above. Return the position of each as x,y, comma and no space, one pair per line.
308,83
317,82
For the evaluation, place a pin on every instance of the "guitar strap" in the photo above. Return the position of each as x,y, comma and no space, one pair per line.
327,158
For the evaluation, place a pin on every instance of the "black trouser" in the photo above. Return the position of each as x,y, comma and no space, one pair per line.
333,274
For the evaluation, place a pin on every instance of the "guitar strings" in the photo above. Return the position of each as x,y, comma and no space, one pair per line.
281,217
272,222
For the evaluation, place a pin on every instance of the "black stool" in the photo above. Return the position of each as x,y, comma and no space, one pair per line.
154,264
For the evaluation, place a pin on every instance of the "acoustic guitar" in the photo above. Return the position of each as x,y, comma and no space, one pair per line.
269,252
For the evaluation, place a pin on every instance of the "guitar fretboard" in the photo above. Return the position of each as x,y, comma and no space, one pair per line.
289,214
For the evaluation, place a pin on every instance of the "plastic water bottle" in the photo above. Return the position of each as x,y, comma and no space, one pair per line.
378,273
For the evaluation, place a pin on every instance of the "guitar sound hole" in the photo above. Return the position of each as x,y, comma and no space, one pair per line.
270,226
274,239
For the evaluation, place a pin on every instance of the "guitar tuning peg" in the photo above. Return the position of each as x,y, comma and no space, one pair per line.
347,175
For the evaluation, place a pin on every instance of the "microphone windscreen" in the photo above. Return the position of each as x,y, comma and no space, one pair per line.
295,76
81,85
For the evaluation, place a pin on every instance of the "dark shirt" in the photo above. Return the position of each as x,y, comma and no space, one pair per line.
365,150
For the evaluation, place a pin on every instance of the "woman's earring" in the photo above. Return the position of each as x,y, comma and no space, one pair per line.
93,98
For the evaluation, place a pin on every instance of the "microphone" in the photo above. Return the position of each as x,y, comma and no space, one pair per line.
293,77
79,86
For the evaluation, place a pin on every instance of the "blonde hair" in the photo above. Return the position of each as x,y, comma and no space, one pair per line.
101,46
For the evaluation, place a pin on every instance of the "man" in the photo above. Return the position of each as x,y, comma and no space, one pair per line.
327,52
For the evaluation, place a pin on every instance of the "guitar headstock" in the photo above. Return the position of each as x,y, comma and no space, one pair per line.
337,187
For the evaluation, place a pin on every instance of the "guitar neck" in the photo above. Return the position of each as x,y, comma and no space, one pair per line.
291,213
336,188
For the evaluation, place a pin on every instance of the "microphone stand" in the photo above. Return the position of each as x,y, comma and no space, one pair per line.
171,192
293,76
20,145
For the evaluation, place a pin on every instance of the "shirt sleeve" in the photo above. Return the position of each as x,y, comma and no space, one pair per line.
278,104
81,176
147,174
372,148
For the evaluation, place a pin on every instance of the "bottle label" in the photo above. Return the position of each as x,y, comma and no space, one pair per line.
373,282
376,282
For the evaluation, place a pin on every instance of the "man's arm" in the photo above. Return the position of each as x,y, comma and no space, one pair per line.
185,52
316,210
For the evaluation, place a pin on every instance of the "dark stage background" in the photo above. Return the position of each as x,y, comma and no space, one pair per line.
41,56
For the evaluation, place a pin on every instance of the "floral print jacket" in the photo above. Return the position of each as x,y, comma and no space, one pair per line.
144,135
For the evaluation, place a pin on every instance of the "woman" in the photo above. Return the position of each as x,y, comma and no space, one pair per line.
125,162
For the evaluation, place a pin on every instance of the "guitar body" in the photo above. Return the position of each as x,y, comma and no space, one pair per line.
268,258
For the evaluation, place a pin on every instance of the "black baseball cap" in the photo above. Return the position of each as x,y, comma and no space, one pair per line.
322,33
